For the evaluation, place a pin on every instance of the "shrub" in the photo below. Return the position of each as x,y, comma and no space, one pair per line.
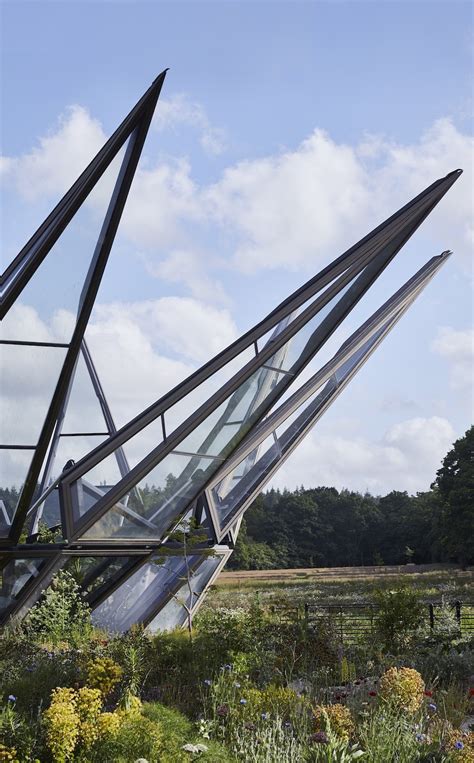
335,717
402,688
62,724
62,616
399,615
103,674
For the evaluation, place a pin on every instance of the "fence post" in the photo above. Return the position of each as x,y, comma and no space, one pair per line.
457,605
431,608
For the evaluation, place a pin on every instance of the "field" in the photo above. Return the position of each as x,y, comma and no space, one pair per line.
338,585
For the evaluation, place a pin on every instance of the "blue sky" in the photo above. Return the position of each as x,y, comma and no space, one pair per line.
287,130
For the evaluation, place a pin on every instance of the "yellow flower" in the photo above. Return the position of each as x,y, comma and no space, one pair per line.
338,717
403,688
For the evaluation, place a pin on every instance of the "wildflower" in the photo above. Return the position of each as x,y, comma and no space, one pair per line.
11,698
287,725
228,667
428,693
237,685
403,688
459,745
372,693
420,737
319,738
208,681
223,710
432,707
250,726
337,717
243,701
471,692
265,716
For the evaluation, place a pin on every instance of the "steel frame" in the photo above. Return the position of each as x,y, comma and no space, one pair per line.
331,294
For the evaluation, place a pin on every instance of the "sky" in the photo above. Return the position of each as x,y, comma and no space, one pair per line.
284,133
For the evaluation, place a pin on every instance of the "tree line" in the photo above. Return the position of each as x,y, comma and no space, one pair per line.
324,527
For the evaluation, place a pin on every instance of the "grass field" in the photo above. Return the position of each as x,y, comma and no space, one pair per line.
338,585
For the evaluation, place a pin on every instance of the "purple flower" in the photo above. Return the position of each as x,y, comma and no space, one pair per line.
208,681
243,701
11,698
223,710
459,745
432,707
420,737
320,738
265,716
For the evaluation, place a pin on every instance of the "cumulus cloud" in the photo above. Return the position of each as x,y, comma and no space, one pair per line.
301,206
181,110
59,158
406,458
457,346
293,209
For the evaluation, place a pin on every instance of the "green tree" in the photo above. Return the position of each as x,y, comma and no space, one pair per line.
455,485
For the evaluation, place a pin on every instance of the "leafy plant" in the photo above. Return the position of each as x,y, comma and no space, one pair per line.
62,616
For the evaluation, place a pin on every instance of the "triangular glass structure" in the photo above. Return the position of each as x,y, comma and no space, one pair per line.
65,251
193,452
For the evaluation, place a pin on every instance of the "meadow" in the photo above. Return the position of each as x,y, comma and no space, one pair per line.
255,680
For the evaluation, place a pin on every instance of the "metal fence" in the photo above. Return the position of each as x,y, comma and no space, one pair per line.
355,622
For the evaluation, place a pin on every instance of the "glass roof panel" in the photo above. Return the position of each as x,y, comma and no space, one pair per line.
141,593
15,575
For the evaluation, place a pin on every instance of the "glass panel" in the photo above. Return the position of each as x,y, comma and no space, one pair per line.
28,379
214,436
74,448
181,410
141,593
14,465
93,574
166,492
14,576
47,307
173,614
83,413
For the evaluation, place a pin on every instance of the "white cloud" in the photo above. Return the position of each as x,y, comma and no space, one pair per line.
292,210
52,166
457,346
302,206
406,458
189,268
181,110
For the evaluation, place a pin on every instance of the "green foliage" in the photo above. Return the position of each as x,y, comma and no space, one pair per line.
455,485
129,651
62,616
103,674
399,614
